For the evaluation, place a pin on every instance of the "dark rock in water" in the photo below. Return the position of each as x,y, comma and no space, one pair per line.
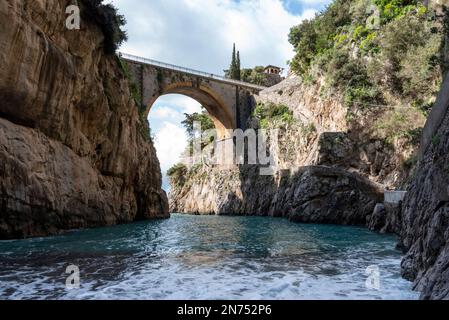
314,194
386,218
331,195
378,219
393,222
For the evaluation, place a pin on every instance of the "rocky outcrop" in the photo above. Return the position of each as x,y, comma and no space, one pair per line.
321,137
425,226
73,151
306,103
349,141
315,194
386,218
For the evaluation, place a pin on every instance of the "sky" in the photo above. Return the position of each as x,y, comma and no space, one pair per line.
199,34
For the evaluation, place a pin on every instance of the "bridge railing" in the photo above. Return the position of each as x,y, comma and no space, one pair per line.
188,70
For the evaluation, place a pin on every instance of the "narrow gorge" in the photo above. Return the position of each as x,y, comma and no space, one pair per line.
337,157
362,127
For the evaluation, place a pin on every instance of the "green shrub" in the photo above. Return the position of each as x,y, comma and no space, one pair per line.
404,122
399,61
177,174
203,118
436,140
391,9
110,22
255,76
409,56
316,36
176,169
351,77
424,107
419,72
273,114
410,162
362,97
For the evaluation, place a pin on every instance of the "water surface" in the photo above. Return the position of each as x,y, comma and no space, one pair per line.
205,257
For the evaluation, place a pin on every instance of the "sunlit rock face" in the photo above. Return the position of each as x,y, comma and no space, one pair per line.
72,152
314,194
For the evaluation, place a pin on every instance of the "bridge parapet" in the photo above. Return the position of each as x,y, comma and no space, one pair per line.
228,102
203,74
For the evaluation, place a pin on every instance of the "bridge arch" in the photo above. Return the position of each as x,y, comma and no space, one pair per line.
227,101
204,95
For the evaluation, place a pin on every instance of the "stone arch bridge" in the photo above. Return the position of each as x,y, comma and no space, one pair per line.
228,102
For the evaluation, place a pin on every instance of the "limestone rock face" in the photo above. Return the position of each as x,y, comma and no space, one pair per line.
351,145
71,150
325,114
315,194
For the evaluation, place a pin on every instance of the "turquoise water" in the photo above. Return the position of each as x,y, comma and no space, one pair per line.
205,257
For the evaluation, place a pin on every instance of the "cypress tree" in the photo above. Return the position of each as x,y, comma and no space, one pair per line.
233,64
234,71
238,68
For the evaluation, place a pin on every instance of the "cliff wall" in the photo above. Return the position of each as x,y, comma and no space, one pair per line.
425,215
74,151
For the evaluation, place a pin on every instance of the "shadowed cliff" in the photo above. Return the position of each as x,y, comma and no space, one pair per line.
74,151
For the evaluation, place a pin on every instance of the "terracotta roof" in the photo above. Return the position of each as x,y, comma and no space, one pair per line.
270,66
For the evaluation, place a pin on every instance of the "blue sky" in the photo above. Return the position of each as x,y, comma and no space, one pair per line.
199,34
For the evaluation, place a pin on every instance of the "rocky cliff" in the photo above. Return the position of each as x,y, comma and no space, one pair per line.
357,100
314,194
338,162
425,227
73,149
329,169
368,142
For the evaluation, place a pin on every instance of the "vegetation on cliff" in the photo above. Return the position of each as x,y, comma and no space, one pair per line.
178,173
383,60
254,75
110,21
372,54
273,114
202,118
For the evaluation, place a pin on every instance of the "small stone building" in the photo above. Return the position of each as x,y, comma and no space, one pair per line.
273,70
273,75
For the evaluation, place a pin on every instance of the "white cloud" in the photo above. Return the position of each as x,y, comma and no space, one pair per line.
200,33
165,113
182,103
170,143
170,137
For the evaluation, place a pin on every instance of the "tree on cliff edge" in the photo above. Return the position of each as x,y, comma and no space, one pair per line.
234,69
239,69
110,22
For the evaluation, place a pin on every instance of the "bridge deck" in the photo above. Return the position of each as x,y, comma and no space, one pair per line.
189,71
